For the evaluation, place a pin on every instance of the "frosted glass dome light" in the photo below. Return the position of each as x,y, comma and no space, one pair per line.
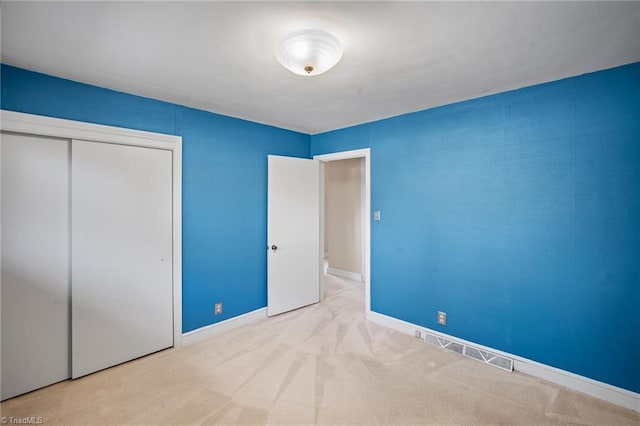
309,52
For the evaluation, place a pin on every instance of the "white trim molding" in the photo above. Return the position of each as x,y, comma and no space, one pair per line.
207,331
354,276
17,122
594,388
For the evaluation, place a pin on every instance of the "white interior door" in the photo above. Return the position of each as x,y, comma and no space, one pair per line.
121,254
294,259
35,262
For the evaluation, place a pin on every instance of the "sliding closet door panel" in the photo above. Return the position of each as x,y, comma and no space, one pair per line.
121,254
35,263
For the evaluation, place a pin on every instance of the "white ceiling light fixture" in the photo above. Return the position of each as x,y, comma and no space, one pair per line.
309,52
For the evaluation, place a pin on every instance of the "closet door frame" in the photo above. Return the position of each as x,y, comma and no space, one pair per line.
68,129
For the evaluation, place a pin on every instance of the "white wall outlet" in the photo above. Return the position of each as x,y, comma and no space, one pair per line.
376,215
417,334
442,318
218,309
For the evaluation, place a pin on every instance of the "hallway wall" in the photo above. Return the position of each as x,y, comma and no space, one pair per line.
343,214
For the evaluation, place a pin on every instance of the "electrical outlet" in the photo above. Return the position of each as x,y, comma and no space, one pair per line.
442,318
417,334
218,309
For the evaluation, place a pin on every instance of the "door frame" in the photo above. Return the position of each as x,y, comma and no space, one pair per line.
365,154
18,122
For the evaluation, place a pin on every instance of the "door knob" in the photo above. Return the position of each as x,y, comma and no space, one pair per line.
274,247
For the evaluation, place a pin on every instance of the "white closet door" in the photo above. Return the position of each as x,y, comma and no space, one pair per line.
35,262
121,241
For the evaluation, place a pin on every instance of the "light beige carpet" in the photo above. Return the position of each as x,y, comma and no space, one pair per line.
323,364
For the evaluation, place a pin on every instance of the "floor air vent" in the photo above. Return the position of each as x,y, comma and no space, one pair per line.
469,351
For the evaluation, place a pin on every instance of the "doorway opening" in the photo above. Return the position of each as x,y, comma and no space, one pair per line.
345,225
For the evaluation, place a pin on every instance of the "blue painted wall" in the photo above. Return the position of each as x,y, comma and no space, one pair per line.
224,182
519,215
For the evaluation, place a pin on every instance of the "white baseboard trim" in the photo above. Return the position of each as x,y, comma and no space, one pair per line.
600,390
207,331
345,274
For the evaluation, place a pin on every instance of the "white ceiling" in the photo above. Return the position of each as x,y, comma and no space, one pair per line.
398,57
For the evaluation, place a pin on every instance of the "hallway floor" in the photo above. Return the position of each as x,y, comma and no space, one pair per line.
323,364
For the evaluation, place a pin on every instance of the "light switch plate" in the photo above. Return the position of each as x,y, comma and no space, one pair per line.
376,215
